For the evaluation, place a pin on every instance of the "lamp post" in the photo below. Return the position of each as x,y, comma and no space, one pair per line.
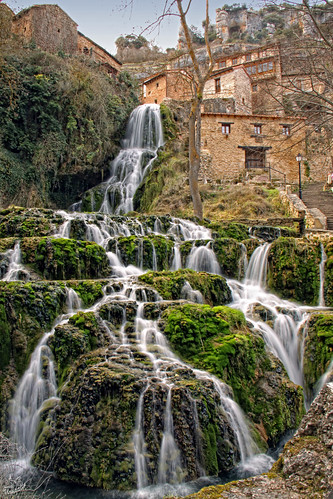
299,159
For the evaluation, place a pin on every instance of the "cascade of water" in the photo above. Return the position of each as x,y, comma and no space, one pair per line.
283,338
37,385
15,268
140,446
154,257
203,259
188,293
73,301
169,468
143,137
257,268
176,260
322,274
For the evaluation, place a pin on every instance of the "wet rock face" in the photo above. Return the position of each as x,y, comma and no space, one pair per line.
304,468
293,269
318,345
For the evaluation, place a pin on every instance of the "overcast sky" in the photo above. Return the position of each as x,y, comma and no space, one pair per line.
105,20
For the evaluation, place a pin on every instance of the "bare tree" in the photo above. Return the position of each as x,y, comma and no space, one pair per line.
200,73
306,86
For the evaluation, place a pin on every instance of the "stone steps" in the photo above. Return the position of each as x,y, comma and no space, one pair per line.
314,197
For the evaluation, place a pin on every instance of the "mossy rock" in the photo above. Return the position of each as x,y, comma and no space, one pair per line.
144,252
58,258
169,285
27,310
232,230
27,222
328,283
293,269
228,253
217,340
318,348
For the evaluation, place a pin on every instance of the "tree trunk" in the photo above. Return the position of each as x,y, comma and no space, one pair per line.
194,160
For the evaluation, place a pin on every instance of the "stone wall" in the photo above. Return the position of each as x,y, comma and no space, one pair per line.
228,153
49,27
169,84
90,49
233,84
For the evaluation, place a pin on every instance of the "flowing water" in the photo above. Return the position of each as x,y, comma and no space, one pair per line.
143,138
283,336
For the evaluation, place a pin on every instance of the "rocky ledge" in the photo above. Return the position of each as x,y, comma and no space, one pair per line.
305,467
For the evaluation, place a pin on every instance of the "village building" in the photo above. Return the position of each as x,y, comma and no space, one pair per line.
231,83
172,84
235,145
49,28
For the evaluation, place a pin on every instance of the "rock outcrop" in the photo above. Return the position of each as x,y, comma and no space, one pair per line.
305,467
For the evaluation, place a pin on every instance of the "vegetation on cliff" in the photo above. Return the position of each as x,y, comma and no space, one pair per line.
61,123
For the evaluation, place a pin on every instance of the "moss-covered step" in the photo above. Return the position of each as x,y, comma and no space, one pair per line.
58,258
217,340
145,252
26,222
293,269
169,285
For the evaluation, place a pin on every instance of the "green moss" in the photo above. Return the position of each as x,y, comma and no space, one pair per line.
293,269
57,258
318,348
71,340
169,285
89,291
233,230
228,252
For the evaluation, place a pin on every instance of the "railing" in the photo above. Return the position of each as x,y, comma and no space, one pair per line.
278,171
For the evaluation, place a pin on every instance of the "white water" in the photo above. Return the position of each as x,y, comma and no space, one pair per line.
37,386
143,138
287,318
15,268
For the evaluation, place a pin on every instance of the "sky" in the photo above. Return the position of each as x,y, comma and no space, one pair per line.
105,20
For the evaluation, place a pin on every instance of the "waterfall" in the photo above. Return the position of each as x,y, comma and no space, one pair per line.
169,468
282,338
37,385
203,259
15,269
321,301
144,136
257,268
188,293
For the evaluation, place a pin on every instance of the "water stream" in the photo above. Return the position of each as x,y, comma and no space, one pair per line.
283,334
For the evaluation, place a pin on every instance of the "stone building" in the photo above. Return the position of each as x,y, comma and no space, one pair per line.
173,84
51,29
231,83
238,144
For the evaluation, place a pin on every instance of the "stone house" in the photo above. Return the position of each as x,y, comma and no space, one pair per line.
172,84
52,30
231,83
234,145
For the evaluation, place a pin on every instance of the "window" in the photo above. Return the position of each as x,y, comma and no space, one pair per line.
217,85
251,69
260,68
257,129
270,66
157,85
265,66
286,130
248,57
85,50
235,61
225,128
222,64
254,88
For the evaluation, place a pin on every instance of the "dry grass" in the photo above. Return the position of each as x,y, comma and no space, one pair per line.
222,202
